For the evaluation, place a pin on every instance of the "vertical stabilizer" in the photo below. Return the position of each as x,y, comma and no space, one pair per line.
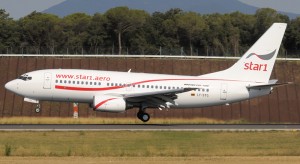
257,63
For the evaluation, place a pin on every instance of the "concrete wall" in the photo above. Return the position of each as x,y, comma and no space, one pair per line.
281,106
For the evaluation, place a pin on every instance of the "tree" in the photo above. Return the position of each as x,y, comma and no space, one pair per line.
96,31
40,30
9,32
265,17
123,19
191,24
293,36
244,24
76,31
215,35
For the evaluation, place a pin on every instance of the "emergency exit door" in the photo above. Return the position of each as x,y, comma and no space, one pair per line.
47,80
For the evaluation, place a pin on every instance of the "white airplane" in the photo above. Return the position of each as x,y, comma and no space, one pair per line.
109,91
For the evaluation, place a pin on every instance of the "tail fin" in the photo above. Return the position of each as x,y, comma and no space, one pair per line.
257,63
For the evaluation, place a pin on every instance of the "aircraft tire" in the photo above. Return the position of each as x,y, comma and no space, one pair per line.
37,110
145,117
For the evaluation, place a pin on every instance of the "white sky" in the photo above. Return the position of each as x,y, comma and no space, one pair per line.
20,8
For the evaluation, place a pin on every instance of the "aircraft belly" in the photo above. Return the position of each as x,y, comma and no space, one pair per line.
73,96
200,99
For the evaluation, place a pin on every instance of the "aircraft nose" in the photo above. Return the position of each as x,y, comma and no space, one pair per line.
11,86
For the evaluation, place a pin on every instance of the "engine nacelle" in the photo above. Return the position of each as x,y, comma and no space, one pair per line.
109,104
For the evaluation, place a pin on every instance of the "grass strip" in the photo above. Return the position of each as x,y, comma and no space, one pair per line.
149,144
151,160
97,120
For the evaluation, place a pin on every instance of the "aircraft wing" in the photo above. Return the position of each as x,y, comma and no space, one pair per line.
155,99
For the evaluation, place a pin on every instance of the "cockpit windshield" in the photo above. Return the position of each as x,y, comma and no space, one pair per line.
25,77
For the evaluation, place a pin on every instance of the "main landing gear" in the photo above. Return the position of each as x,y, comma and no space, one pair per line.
142,115
38,108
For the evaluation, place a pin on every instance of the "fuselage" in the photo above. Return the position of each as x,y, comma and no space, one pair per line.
74,85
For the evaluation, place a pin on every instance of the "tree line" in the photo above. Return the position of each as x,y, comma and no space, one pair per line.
122,30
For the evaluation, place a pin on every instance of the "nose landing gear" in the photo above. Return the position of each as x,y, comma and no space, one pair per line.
38,108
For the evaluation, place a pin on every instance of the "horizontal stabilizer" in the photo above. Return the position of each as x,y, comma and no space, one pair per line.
272,83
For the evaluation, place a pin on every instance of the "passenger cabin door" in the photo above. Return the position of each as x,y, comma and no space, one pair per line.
223,92
47,80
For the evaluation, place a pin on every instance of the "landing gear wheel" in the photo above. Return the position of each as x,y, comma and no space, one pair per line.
139,114
145,117
38,108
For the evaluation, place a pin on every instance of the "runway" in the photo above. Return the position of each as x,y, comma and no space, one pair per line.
152,127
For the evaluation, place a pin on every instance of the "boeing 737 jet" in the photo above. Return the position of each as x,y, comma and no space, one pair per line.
109,91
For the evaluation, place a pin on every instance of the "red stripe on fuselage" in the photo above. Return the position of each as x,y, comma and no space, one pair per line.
135,83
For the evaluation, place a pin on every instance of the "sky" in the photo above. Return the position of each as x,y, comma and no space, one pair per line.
292,6
21,8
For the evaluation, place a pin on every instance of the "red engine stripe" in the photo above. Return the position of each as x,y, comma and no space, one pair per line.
103,102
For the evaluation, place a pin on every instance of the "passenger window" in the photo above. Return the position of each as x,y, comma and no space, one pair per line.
73,82
143,86
82,82
147,86
65,81
95,83
139,86
91,83
99,83
87,83
60,81
77,82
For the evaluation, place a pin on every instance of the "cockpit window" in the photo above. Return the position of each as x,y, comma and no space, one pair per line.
25,77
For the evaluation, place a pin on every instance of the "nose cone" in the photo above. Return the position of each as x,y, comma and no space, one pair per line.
11,86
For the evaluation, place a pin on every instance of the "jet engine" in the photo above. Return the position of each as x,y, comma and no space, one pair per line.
109,104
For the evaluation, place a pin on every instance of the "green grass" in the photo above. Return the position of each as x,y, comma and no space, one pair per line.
97,120
150,144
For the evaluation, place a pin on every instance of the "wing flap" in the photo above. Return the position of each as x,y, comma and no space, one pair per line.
153,93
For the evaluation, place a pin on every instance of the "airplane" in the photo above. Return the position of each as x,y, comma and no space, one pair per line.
111,91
